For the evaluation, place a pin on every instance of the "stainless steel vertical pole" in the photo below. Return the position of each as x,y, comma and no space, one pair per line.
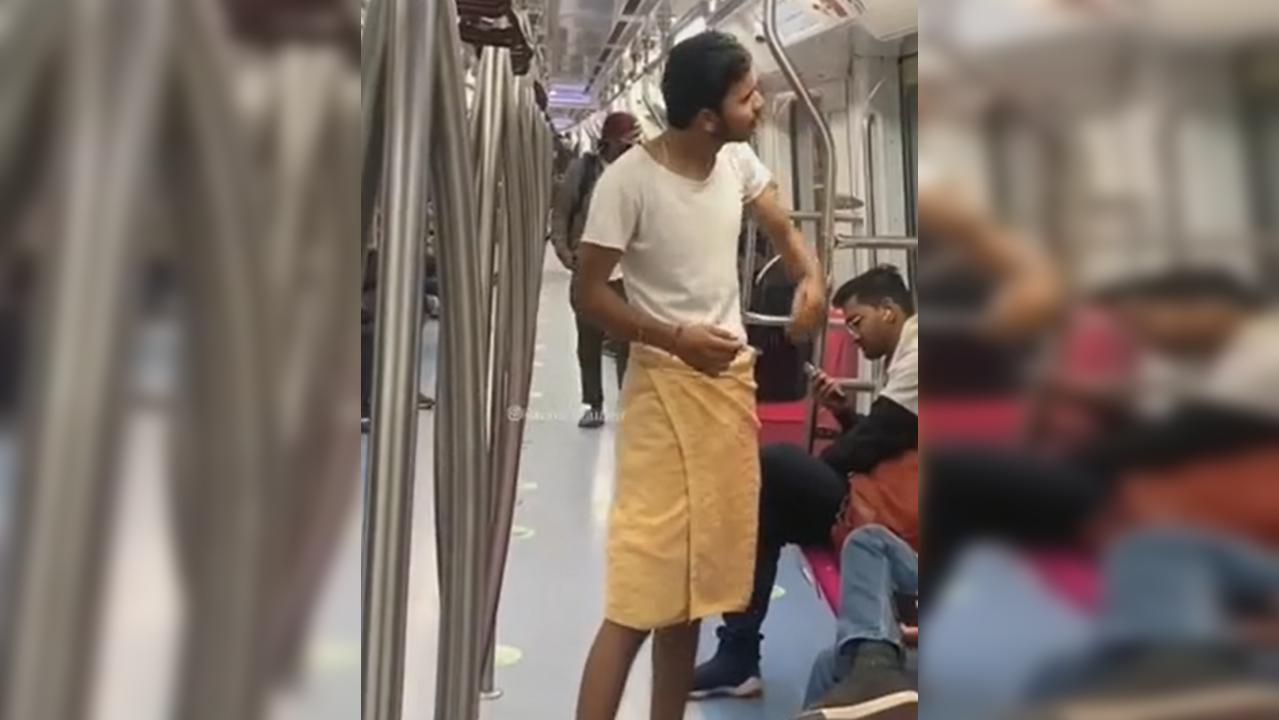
411,54
319,479
372,116
227,439
510,386
68,472
460,431
826,226
494,333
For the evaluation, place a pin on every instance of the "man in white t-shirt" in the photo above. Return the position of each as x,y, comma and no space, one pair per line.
684,520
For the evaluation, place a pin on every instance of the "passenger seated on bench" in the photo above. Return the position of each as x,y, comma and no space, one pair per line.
1187,320
1178,322
1207,465
802,496
1162,618
1184,613
865,669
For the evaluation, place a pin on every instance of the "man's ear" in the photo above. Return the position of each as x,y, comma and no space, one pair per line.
707,121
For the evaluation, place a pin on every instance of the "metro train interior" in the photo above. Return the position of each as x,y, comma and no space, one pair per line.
461,575
841,133
848,174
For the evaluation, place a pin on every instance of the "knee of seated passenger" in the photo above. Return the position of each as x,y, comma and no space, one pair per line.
1160,539
780,458
874,538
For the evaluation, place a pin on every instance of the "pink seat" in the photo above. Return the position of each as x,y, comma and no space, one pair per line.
784,422
823,569
1076,579
985,421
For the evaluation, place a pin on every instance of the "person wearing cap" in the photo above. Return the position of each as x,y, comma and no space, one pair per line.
568,220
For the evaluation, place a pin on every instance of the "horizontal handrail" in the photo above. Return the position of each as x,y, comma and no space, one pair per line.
814,216
857,385
846,242
761,320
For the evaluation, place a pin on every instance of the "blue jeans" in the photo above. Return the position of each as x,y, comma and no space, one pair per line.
1162,585
875,565
1175,585
992,630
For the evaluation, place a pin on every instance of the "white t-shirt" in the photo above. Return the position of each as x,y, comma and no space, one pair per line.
902,383
1247,375
678,236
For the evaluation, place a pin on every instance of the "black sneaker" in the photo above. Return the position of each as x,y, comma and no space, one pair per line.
1173,684
425,402
732,673
364,426
877,686
592,419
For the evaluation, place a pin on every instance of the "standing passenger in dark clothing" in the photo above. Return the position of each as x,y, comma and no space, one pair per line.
568,220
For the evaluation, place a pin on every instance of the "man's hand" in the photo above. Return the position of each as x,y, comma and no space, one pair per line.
808,312
566,257
707,349
829,393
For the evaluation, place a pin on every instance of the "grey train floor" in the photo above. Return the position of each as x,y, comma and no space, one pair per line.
552,599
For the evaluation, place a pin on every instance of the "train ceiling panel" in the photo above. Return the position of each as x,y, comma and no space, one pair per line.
586,38
1018,25
823,37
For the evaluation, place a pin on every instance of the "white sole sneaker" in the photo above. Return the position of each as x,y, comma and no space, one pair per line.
898,706
749,690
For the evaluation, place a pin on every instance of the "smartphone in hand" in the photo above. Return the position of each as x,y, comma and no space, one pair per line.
825,386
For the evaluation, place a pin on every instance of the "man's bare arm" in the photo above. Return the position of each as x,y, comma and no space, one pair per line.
787,240
593,297
1033,292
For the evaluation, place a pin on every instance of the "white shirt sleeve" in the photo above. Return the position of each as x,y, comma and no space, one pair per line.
755,176
615,210
928,175
1247,376
902,386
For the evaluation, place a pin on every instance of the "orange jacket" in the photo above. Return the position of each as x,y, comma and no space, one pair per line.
887,496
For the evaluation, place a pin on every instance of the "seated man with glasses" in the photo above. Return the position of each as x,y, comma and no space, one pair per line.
802,497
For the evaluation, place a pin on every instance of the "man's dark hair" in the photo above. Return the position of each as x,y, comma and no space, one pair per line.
877,287
699,74
1187,285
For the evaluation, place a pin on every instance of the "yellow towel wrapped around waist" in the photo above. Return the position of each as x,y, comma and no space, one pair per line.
685,515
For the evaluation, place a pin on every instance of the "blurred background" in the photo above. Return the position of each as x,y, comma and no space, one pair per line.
1127,135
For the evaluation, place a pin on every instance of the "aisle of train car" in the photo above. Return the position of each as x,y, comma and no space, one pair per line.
552,596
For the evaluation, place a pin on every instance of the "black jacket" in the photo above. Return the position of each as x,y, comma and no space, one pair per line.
887,432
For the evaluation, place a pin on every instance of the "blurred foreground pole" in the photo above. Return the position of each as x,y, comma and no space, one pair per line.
317,367
112,86
224,437
410,54
462,426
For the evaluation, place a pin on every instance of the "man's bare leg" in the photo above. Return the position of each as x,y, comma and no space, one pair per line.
607,669
674,660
